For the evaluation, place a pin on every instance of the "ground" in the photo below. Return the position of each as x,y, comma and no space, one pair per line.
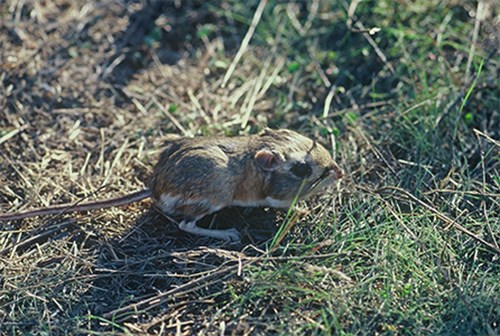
404,94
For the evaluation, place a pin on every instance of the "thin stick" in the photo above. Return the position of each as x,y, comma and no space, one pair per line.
246,40
162,297
328,101
442,217
487,137
366,33
475,35
12,133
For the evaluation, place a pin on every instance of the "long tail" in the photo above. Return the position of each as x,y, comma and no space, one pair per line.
63,208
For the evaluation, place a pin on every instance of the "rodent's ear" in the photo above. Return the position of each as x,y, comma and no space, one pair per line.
268,160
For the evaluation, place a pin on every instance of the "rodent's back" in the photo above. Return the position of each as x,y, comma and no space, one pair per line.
196,168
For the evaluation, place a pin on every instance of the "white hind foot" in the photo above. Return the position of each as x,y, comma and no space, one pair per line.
231,235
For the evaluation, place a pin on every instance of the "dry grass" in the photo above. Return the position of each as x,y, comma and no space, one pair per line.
407,245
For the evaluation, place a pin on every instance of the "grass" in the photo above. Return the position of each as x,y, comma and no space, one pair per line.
406,244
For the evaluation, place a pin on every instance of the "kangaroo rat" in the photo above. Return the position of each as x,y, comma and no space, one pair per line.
198,176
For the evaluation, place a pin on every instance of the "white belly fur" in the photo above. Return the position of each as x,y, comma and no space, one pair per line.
169,203
268,201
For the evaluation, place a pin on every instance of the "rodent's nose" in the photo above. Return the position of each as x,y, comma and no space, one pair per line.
336,171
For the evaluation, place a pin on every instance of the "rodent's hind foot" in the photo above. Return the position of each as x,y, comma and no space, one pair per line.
231,235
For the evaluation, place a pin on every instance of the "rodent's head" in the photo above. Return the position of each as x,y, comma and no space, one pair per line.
294,164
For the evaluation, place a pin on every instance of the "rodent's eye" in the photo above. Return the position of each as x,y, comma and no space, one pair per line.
301,169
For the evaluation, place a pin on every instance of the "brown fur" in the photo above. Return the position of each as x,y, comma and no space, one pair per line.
223,170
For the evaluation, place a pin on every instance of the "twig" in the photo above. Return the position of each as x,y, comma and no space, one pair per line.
475,35
399,220
246,40
328,101
252,95
441,216
313,11
12,133
356,108
487,137
462,192
238,260
176,308
162,297
374,149
366,33
350,12
115,162
36,237
198,106
172,118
